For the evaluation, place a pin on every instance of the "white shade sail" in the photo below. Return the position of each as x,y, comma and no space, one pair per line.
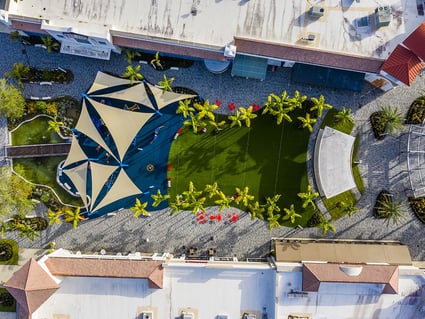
104,81
78,176
100,174
164,98
76,153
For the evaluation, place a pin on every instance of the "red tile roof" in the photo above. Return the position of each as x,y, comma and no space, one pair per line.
416,41
403,64
115,268
31,286
307,55
315,273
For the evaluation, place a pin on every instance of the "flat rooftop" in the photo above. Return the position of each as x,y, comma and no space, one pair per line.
345,26
351,300
200,289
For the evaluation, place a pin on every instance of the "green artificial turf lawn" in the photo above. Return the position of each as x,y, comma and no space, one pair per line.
42,170
15,250
35,132
268,158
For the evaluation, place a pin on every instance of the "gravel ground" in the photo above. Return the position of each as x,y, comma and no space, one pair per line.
382,167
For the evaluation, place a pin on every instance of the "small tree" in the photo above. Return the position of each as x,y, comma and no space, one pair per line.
206,110
166,84
12,103
50,43
130,54
176,206
19,72
140,209
54,217
325,225
235,119
212,190
184,108
156,62
73,216
291,214
392,119
273,220
271,204
159,198
307,122
247,115
243,196
344,115
256,210
194,122
224,201
308,197
133,74
54,124
320,105
392,209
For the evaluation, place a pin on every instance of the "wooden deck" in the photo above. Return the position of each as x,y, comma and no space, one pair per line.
39,150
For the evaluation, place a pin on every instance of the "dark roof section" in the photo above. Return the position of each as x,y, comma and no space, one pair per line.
31,286
26,26
307,55
403,64
416,41
168,47
113,268
315,273
341,251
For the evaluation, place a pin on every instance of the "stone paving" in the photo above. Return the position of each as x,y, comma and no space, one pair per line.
382,166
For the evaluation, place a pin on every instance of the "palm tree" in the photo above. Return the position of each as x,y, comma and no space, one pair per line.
247,115
243,196
194,122
282,114
224,201
54,124
392,118
184,108
19,72
308,197
50,43
176,206
206,110
320,105
130,54
156,62
197,204
218,126
391,209
73,216
344,115
256,210
297,100
325,225
307,122
291,214
159,198
4,227
273,220
279,106
235,119
348,208
26,230
166,84
271,204
140,209
133,74
54,217
191,194
212,190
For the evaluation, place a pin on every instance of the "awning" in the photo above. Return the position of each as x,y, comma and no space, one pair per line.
249,67
328,77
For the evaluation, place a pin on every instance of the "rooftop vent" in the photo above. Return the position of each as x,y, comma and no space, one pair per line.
382,16
316,11
351,271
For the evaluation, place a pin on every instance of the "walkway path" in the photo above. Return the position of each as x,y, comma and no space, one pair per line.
382,166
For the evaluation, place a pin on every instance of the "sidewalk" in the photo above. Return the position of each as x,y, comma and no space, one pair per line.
381,164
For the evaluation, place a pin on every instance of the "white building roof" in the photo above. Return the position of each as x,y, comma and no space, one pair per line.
346,26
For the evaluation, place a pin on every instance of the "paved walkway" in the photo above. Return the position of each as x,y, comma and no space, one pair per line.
382,166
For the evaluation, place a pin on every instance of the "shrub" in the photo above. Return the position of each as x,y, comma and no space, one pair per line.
416,113
382,197
315,219
6,251
51,108
7,300
41,106
378,125
418,207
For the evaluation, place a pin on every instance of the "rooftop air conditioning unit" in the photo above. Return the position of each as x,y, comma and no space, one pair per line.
187,315
230,51
147,315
